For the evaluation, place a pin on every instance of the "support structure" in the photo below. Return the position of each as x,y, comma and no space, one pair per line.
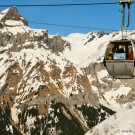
125,3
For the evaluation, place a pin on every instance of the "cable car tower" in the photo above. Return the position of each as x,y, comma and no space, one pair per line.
120,54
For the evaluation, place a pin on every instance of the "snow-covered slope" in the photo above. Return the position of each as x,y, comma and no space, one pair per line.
84,46
121,123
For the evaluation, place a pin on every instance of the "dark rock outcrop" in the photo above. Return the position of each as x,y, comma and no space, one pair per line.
12,14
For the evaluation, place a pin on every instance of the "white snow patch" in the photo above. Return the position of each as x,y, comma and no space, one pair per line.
113,95
14,113
13,23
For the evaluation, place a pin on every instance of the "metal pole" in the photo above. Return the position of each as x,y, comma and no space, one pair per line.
123,27
123,3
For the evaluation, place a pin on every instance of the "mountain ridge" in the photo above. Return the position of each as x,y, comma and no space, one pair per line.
54,84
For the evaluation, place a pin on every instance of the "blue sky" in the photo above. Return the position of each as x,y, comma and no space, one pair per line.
99,16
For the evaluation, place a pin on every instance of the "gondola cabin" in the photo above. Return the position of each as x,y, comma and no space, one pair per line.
119,58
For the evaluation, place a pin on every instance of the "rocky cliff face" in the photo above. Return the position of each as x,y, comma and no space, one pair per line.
11,14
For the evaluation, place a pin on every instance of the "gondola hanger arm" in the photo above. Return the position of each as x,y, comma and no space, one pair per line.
125,3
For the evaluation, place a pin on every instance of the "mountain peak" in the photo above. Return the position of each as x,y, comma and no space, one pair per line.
11,14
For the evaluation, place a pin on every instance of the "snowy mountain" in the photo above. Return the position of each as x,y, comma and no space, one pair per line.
55,85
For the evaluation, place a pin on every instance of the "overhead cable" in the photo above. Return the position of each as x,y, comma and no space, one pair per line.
73,26
73,4
55,5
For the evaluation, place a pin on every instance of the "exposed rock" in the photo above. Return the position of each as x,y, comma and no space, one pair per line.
11,14
57,44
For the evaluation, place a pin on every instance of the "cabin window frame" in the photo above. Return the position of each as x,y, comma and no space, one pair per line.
113,50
